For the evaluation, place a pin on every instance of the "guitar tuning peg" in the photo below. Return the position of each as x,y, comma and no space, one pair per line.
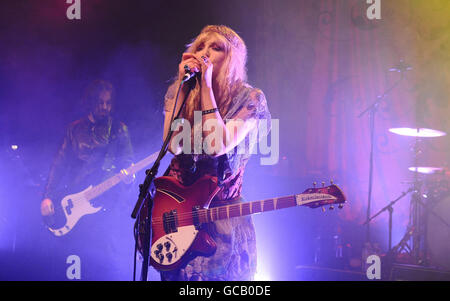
341,206
331,207
323,184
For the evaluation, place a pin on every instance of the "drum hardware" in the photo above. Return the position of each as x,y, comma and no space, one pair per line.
414,241
417,132
427,170
437,190
414,236
438,229
372,109
390,209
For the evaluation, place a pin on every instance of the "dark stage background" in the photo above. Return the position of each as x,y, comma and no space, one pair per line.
320,64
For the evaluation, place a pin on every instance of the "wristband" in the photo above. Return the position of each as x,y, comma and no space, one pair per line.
210,111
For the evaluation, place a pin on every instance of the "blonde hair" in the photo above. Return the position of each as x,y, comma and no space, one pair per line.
229,79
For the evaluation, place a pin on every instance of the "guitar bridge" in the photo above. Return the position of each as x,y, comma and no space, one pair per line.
170,221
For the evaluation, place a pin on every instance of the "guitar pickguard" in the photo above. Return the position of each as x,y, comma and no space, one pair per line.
169,248
74,207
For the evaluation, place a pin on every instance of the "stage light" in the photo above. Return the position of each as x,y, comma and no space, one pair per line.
14,147
262,276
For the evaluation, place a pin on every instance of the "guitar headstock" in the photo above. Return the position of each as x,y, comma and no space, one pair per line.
322,196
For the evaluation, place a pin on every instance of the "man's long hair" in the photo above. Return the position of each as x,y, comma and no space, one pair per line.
230,77
92,92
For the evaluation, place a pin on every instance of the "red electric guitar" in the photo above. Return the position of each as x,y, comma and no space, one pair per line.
179,212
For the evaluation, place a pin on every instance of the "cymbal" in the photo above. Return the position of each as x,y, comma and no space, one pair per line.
417,132
427,170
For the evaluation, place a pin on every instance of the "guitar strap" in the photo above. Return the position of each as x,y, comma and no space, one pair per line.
111,148
220,169
166,173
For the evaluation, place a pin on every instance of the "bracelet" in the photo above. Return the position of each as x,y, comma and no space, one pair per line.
210,111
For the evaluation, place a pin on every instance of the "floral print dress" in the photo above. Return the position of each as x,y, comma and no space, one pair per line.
235,257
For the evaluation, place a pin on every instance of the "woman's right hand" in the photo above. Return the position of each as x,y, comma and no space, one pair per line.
47,207
188,59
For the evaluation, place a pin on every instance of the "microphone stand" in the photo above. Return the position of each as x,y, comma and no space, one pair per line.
387,265
390,209
372,109
147,189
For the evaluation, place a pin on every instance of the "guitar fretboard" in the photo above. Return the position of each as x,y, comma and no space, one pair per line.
312,198
114,180
242,209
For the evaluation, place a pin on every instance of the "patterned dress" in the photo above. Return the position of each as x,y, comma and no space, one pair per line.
235,257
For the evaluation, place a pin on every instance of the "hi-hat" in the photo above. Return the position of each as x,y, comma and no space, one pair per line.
427,170
417,132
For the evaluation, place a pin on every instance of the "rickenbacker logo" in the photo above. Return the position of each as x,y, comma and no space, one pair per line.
311,197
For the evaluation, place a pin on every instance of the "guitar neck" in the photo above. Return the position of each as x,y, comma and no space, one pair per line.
102,187
241,209
114,180
248,208
143,163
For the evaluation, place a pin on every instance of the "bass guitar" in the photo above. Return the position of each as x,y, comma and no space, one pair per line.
180,211
73,207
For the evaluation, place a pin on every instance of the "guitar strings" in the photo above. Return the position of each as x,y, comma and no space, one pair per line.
287,200
208,214
205,213
236,207
265,203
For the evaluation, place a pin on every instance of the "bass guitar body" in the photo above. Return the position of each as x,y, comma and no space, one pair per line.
72,207
69,210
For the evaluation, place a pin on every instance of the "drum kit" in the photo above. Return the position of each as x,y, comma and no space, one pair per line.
427,239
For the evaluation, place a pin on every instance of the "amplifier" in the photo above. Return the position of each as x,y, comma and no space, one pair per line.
320,273
405,272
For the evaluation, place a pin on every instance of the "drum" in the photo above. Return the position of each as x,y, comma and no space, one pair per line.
438,230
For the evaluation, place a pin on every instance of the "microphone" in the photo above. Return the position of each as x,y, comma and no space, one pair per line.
188,74
400,67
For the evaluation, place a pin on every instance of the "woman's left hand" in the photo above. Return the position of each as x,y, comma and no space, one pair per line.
207,70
